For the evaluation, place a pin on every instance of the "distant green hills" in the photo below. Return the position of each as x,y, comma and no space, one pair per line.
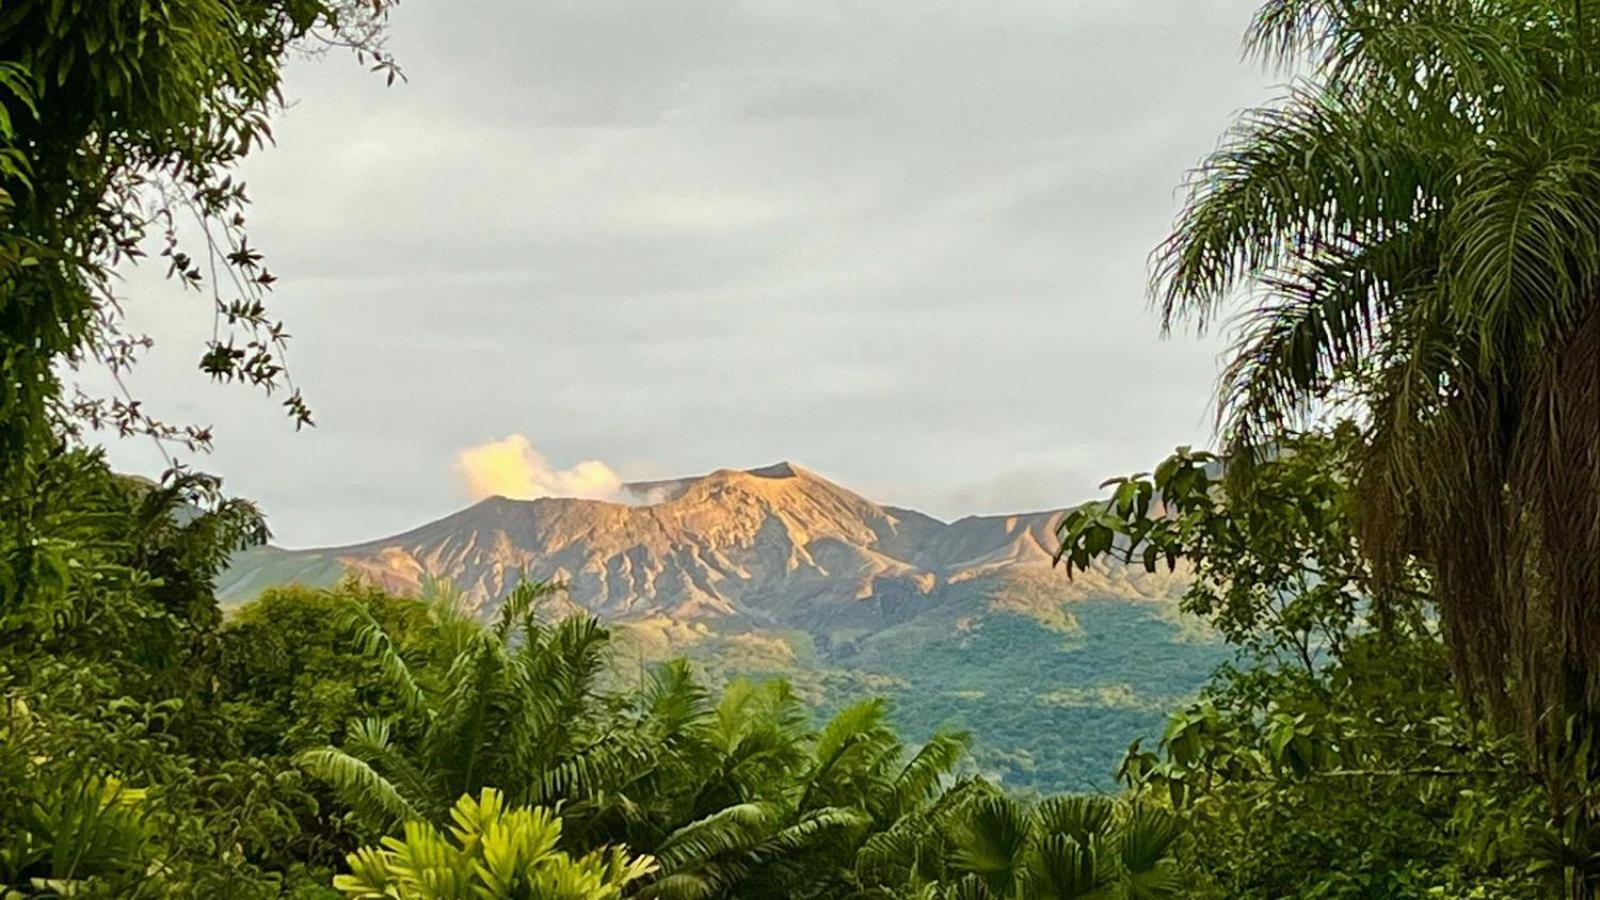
778,571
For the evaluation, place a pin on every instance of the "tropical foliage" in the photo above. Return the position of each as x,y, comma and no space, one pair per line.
1418,222
1398,536
492,852
1061,848
145,748
734,795
1412,229
1334,758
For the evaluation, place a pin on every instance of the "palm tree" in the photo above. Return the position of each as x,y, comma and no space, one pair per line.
518,710
818,801
978,844
490,853
740,796
1418,222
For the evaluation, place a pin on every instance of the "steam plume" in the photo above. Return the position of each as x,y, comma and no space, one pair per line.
514,468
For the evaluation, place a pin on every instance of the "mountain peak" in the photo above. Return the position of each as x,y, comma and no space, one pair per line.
656,493
775,545
778,472
780,469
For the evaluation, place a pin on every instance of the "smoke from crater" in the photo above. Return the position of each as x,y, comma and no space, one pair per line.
513,467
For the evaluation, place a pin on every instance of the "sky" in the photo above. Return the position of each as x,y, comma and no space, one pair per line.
901,243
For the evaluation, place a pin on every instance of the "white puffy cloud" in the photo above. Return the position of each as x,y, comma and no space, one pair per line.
513,467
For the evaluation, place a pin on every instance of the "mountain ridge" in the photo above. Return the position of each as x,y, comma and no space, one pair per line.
777,571
747,546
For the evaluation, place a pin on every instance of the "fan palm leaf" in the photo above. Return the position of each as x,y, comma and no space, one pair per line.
1145,845
992,840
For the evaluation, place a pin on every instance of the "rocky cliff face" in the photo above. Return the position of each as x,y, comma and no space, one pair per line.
775,547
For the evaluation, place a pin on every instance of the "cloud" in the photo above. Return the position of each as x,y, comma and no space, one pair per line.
514,468
904,243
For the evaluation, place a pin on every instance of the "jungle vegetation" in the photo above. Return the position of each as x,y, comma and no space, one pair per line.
1399,533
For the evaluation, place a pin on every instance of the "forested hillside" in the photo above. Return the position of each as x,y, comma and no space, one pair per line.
779,572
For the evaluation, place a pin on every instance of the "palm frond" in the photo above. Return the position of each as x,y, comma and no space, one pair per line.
674,700
374,643
891,856
466,727
925,772
1290,180
451,613
359,785
609,764
684,886
992,838
519,608
1145,847
1060,868
1419,52
969,888
808,830
1524,239
1085,819
853,752
732,830
368,740
1318,321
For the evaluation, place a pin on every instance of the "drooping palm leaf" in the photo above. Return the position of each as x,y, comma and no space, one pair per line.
359,785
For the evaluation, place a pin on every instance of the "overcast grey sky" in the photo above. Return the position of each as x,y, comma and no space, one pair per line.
900,242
